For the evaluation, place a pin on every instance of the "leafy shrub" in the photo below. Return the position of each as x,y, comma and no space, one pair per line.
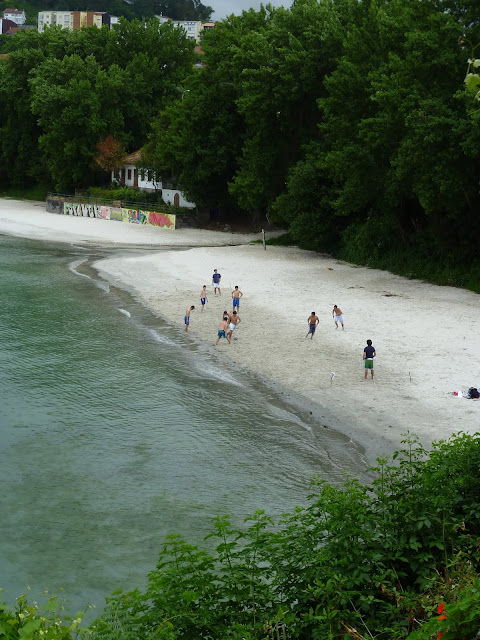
31,622
359,561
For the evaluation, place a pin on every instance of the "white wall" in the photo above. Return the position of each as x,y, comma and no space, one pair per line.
18,18
168,196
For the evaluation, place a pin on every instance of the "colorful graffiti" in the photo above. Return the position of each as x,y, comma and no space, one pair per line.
133,216
82,210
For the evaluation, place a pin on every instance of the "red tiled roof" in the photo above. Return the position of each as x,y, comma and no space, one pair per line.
12,11
199,50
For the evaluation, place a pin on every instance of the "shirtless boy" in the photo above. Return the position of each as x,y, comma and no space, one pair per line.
312,324
222,328
203,296
187,317
337,316
236,295
234,322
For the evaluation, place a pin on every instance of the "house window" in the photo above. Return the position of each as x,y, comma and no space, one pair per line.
129,174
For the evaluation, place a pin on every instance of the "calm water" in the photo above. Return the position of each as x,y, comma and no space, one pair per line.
115,431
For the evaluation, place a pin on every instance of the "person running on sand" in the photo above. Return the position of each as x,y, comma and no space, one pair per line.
216,282
337,316
203,296
234,322
187,317
312,324
222,327
369,354
236,295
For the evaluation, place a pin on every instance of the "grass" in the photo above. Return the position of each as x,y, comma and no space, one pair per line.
36,192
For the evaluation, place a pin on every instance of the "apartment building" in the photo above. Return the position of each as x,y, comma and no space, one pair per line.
192,27
75,19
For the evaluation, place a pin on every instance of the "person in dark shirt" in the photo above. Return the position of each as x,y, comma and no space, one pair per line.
369,354
216,282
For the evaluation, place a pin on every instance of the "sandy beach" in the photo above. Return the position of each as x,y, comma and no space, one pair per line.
426,337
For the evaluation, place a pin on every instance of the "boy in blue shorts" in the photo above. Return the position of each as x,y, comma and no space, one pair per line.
203,296
187,317
222,328
313,321
236,295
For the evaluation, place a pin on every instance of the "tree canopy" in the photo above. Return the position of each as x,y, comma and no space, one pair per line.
345,121
71,89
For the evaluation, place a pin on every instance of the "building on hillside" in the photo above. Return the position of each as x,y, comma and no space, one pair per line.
193,28
7,25
75,19
15,15
130,175
208,25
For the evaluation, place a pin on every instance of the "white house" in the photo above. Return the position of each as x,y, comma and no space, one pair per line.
193,28
129,175
15,15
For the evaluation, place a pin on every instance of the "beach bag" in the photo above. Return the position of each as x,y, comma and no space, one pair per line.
473,393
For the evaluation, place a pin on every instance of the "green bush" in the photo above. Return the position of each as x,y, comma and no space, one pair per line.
380,244
360,561
33,192
27,621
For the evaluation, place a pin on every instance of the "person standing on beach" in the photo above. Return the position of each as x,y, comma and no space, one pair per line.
236,295
337,316
222,328
312,324
369,354
187,317
234,322
203,296
216,282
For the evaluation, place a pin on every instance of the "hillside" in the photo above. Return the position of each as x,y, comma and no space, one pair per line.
176,9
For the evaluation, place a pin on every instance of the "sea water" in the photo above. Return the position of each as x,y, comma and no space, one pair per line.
117,429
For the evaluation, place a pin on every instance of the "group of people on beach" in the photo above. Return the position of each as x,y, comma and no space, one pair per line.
369,352
230,321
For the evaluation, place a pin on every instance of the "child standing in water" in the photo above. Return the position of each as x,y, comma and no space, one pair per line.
203,296
187,317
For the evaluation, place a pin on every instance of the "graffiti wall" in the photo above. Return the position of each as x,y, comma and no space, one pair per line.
134,216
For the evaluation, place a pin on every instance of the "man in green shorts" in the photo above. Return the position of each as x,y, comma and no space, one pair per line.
369,354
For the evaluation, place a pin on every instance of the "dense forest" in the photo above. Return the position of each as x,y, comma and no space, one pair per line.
141,9
347,122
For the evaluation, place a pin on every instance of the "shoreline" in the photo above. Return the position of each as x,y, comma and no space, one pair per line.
271,341
424,334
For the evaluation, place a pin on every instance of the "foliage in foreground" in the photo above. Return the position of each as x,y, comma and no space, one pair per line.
360,561
34,622
396,558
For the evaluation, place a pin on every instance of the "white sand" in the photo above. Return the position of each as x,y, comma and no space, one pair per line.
426,336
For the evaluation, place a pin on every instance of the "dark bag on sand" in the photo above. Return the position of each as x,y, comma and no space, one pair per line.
473,393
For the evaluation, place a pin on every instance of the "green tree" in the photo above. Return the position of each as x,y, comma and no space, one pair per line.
77,103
